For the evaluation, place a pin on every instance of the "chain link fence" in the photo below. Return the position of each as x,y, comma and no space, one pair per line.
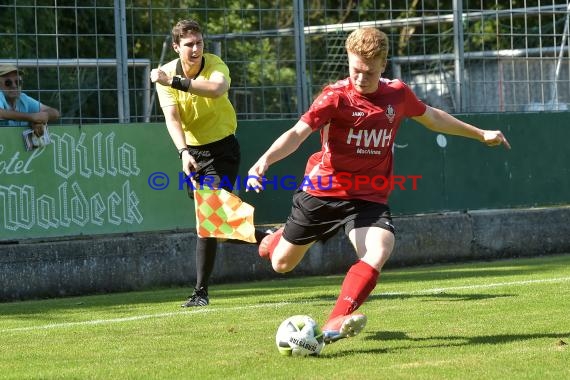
91,58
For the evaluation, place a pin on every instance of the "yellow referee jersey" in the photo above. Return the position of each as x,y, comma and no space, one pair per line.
204,120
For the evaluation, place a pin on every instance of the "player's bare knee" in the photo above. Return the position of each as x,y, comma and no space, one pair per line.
281,266
377,260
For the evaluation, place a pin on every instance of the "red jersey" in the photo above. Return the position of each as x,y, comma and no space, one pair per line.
357,136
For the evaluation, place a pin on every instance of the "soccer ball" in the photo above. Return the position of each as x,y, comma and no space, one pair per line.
299,335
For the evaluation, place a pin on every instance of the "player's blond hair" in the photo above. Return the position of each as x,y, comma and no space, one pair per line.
368,43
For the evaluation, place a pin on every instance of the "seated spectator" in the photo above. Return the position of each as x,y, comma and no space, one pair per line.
19,109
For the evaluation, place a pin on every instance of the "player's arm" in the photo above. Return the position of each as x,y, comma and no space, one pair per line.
285,144
440,121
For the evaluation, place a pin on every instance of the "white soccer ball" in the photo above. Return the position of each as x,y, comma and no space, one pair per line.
299,335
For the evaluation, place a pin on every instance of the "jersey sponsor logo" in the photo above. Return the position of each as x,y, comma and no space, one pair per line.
390,113
358,113
369,138
368,151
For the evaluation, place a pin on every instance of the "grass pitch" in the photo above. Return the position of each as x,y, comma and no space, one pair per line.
494,320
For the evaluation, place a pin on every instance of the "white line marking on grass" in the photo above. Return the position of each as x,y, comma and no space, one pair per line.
470,287
277,304
139,317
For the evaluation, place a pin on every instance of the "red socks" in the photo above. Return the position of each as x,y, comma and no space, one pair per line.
357,285
268,244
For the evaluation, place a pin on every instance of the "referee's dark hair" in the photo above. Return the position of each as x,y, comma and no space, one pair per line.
183,27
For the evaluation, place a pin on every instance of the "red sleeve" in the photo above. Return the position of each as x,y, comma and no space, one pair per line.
414,106
322,110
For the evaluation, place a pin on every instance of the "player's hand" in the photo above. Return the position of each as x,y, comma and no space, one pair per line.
159,76
495,138
255,176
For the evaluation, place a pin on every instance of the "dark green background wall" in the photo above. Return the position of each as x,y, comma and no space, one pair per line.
465,175
95,179
469,175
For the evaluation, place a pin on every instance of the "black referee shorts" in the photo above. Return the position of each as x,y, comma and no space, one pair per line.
318,218
218,164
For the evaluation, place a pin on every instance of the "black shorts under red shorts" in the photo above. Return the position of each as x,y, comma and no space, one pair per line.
318,218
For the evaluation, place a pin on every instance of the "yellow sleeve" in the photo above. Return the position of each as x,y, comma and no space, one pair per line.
166,95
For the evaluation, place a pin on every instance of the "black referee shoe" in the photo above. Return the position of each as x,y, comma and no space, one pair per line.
198,298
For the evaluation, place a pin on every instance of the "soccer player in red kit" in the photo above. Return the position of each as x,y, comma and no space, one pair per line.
358,119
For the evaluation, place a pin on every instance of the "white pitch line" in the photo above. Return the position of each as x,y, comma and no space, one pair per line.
277,304
139,317
469,287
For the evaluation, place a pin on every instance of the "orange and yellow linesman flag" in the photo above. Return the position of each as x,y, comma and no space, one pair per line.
222,214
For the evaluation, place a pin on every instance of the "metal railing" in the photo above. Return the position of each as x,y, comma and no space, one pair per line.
456,57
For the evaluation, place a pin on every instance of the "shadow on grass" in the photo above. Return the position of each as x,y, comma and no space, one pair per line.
446,341
476,269
123,303
441,296
445,296
262,292
457,341
294,291
351,352
295,288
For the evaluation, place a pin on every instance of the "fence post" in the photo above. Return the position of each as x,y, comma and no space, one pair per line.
459,55
301,61
121,53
